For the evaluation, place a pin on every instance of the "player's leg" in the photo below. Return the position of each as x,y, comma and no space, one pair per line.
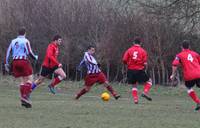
84,90
43,74
25,91
135,93
90,80
132,80
37,82
192,93
60,76
144,78
23,70
27,79
111,90
147,87
103,80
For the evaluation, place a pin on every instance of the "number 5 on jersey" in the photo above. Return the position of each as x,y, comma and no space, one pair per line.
135,55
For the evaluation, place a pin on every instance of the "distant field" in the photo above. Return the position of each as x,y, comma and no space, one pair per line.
170,108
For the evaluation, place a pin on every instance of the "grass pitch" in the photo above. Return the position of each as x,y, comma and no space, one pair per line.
170,108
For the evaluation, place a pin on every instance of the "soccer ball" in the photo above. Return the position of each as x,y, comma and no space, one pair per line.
105,96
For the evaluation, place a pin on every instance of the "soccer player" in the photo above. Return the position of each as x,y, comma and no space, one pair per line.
136,60
190,63
94,74
21,67
51,65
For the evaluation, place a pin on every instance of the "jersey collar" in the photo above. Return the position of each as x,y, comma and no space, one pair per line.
54,43
20,36
137,45
186,49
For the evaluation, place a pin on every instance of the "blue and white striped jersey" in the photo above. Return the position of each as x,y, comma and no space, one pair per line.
91,64
20,48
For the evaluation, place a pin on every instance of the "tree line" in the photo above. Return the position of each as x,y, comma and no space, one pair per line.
107,24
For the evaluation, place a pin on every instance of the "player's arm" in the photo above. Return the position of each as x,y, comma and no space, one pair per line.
8,53
9,50
175,64
145,58
198,57
50,55
81,64
125,57
88,59
30,52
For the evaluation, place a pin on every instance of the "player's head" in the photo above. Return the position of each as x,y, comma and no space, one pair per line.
22,31
57,39
137,40
186,44
91,49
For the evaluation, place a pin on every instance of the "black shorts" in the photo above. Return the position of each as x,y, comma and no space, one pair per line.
191,83
135,76
47,71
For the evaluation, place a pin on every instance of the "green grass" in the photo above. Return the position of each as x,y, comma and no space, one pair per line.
170,108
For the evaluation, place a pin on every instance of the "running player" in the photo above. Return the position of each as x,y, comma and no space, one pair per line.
94,75
21,67
136,60
190,63
51,65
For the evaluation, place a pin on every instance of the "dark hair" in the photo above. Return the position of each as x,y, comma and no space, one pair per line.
138,40
56,37
22,31
186,44
90,46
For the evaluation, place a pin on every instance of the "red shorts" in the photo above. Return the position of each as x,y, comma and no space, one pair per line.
91,79
21,68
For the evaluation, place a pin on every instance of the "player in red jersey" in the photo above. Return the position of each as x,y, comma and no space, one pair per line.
94,75
21,67
136,60
190,63
51,65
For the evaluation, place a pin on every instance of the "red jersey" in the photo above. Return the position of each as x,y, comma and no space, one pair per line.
190,62
135,57
50,59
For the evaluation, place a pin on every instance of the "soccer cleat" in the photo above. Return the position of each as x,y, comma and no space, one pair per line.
146,97
197,107
26,104
33,86
135,101
77,97
117,97
52,89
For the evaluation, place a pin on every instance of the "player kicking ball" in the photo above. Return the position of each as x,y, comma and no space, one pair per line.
21,67
51,65
94,75
136,60
190,63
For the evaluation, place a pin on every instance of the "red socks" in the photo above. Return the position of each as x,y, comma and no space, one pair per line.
111,90
56,81
82,92
147,87
25,91
194,96
135,95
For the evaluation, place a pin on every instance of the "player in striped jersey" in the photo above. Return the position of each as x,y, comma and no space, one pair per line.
21,67
94,74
